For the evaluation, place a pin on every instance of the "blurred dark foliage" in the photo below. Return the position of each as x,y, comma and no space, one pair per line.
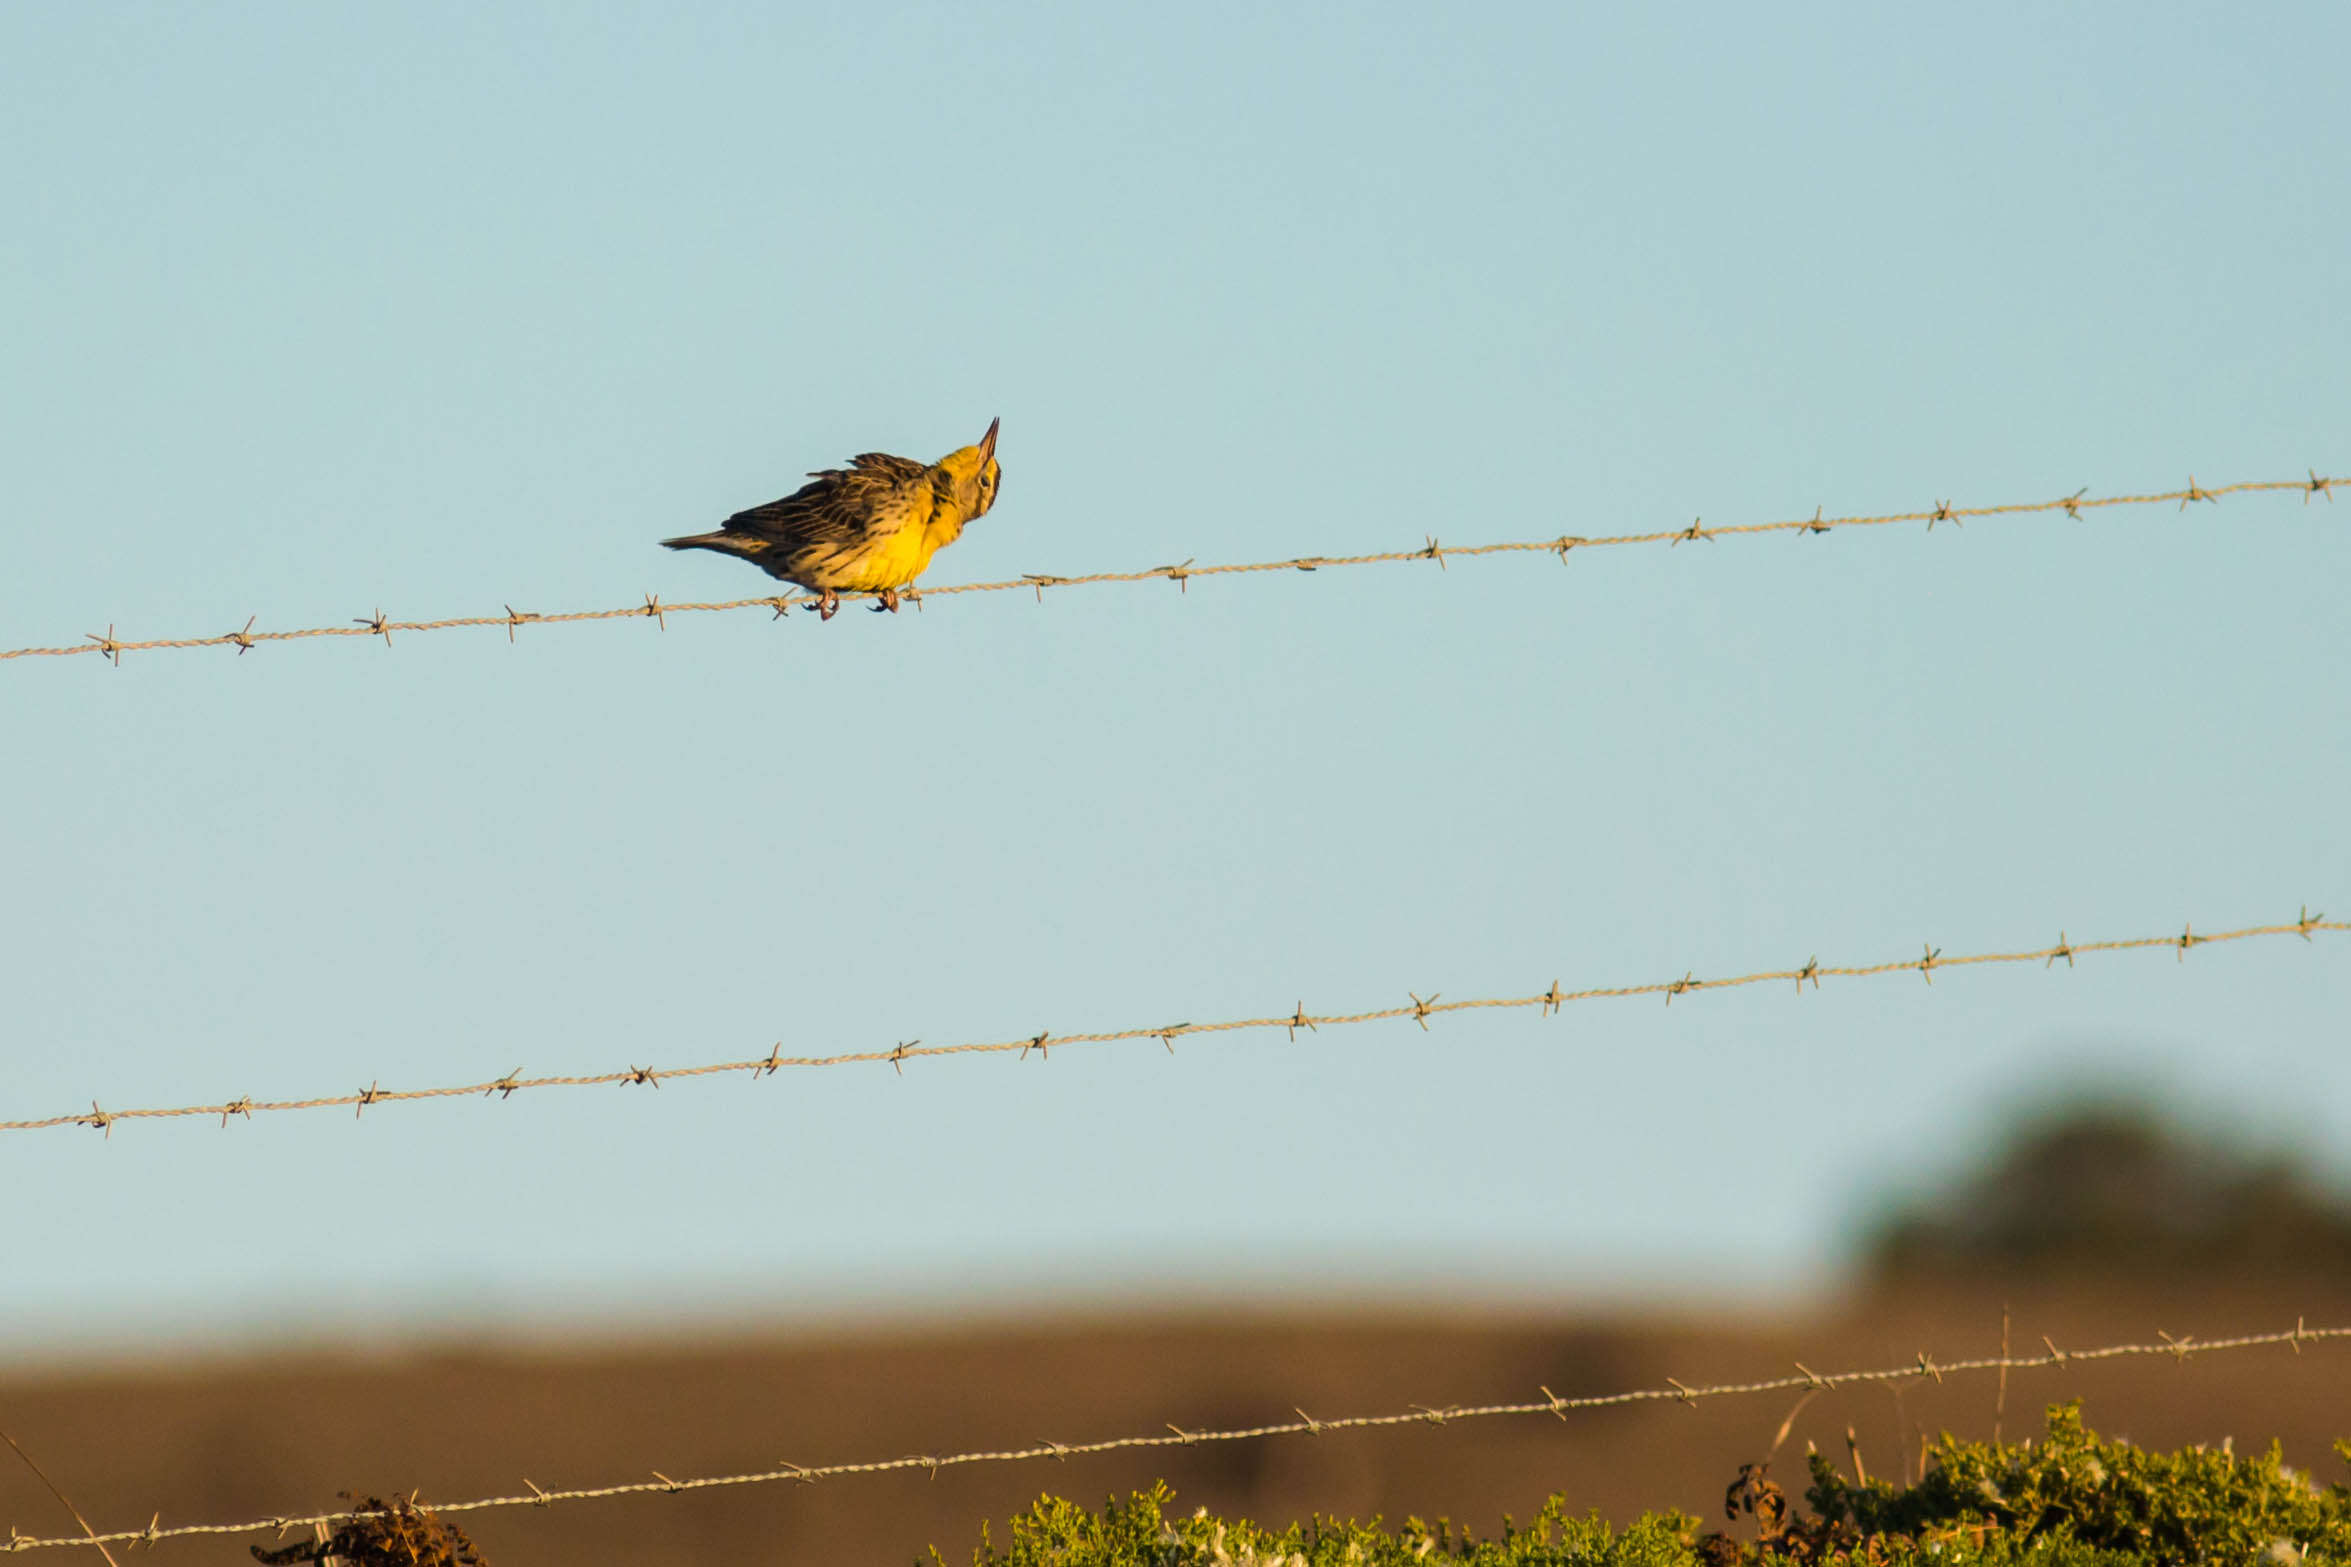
2118,1189
397,1533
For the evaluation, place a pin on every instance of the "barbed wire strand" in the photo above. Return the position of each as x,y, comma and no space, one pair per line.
1420,1010
379,625
1923,1367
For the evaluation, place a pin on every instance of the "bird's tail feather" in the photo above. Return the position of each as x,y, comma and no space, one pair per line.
724,543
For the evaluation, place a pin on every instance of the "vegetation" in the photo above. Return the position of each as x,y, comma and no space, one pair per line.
397,1533
2071,1499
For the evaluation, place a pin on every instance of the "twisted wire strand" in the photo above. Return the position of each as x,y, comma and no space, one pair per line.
378,625
1420,1010
1550,1404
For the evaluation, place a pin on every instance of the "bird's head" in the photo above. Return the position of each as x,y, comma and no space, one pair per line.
974,473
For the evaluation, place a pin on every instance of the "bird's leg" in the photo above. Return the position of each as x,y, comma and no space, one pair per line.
828,604
889,598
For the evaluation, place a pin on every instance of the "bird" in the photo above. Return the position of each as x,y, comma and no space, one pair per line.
871,527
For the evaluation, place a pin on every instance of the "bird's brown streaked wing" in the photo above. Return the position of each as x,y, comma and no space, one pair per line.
837,506
779,518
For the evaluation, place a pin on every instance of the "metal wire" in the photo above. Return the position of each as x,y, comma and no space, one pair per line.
379,625
1305,1425
1420,1010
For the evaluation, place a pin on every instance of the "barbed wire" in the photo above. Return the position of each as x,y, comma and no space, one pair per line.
378,624
1420,1010
1923,1367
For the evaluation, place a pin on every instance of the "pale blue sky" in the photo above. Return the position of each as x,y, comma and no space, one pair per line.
440,308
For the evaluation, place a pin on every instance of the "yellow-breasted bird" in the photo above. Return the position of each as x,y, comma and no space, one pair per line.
870,527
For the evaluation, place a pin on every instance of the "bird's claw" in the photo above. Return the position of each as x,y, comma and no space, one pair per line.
889,601
828,604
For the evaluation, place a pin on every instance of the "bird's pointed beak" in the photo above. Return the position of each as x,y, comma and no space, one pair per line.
988,441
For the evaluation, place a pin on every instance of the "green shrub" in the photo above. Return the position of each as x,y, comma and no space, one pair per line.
2070,1499
2197,1505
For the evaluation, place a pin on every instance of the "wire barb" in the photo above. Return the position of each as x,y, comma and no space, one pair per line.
376,625
244,638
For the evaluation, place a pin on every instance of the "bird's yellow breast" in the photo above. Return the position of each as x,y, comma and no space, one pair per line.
892,560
